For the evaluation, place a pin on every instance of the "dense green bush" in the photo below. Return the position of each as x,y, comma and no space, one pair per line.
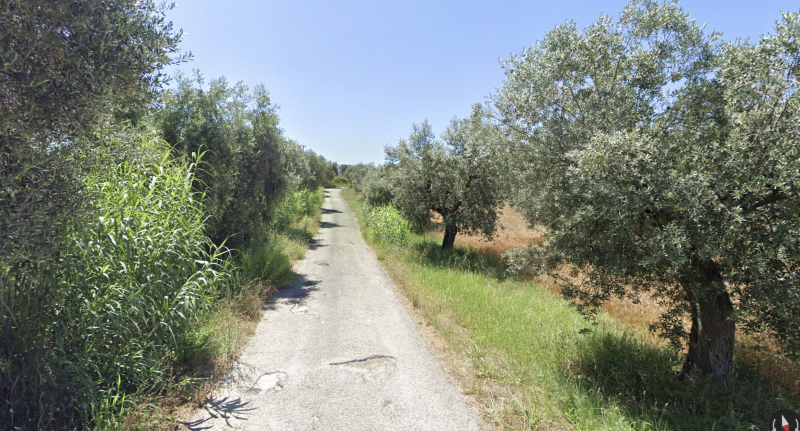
65,68
114,321
246,171
268,263
377,187
250,166
302,203
355,174
111,248
340,181
321,172
386,225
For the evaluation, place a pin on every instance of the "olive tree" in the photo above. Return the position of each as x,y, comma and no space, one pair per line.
64,66
378,186
322,171
662,161
455,177
246,169
357,173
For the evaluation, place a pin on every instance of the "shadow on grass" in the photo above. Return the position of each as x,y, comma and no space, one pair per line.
299,234
429,252
617,370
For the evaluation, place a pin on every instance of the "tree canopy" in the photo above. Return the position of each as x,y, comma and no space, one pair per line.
65,66
248,164
59,59
455,177
663,161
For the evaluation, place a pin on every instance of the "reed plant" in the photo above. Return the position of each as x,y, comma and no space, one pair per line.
110,320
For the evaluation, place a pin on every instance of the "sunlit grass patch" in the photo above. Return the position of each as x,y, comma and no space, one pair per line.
542,365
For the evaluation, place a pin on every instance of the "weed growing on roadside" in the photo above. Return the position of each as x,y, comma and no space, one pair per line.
82,343
268,263
386,225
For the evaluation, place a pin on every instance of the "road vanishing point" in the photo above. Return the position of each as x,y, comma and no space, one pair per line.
337,350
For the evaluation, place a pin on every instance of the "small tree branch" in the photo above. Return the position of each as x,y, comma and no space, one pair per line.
775,195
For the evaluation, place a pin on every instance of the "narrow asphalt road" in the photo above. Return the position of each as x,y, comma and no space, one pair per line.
337,350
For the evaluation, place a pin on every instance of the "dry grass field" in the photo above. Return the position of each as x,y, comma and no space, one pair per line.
512,232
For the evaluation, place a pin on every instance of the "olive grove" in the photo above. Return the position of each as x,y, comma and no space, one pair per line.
244,152
664,161
356,175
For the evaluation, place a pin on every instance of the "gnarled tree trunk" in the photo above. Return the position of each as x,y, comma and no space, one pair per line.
713,330
450,232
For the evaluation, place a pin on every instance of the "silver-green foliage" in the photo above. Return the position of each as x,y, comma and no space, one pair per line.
521,262
663,161
248,163
377,187
65,69
456,176
386,225
357,174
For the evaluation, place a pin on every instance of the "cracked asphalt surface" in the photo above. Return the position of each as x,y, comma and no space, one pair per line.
337,350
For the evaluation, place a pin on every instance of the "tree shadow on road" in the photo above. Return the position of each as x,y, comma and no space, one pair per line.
225,408
315,244
295,293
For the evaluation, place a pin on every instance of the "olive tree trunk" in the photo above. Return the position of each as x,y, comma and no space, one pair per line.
450,232
713,332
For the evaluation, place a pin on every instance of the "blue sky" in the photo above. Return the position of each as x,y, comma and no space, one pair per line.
352,76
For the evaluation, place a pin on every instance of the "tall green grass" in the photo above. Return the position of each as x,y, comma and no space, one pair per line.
385,225
219,334
295,216
268,263
541,365
78,344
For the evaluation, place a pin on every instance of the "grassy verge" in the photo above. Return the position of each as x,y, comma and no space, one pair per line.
538,364
219,334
